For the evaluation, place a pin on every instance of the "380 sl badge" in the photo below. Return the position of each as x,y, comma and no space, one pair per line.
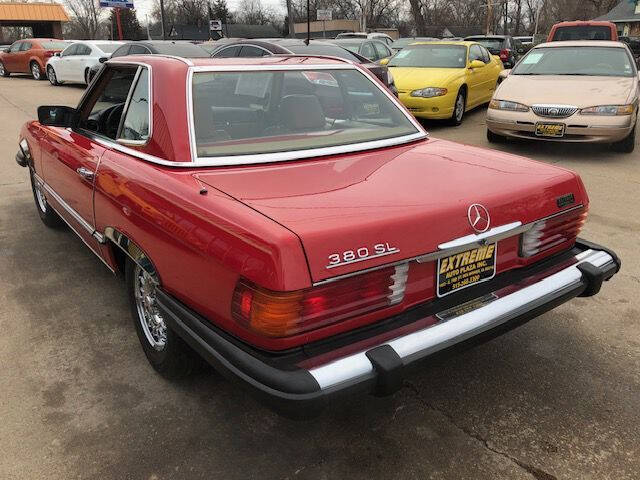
361,254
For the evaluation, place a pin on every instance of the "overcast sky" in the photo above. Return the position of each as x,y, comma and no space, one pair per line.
143,7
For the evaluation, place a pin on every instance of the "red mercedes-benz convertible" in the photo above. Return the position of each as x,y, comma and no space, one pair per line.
289,221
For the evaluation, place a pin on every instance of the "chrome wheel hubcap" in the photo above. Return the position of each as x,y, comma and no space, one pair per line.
459,107
35,70
1,69
153,325
42,201
52,75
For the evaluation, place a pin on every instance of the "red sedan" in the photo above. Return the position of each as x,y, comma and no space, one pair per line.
288,220
30,56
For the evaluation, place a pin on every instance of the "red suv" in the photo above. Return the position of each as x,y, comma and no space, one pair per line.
583,30
30,56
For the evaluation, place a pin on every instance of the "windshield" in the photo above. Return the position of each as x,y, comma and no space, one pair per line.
431,56
595,61
54,45
582,33
324,50
108,47
252,113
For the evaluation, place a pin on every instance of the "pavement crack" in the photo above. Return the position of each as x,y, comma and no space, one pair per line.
535,472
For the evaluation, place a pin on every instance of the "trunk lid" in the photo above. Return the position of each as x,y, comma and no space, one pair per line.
404,201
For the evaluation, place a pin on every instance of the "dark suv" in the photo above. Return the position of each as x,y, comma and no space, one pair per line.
506,47
288,46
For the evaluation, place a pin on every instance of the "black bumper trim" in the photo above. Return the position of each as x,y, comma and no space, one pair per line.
295,392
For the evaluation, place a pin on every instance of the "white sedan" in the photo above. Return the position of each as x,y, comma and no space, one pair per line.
74,62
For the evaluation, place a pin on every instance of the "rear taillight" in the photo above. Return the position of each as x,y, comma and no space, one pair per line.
550,233
504,54
281,314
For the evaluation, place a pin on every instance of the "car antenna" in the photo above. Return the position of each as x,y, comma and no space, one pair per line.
308,26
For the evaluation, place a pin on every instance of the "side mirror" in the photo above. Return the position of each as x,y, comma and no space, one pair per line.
57,116
57,54
502,75
6,50
384,61
476,64
103,59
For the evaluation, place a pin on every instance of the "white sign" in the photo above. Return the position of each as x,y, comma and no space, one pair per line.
215,25
324,15
116,3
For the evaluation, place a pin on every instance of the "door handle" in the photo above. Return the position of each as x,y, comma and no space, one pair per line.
85,173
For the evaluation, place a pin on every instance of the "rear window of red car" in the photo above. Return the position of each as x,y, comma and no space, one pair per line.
594,32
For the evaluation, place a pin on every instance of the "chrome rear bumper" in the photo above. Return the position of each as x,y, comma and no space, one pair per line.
457,329
303,386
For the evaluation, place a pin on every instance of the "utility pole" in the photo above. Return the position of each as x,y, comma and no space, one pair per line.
164,34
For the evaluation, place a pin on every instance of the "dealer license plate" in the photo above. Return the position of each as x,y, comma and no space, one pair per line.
550,130
466,269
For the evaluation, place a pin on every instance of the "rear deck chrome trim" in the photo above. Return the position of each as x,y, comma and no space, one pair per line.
458,329
457,245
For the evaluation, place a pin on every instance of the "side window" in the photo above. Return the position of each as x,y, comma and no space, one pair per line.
72,50
25,46
368,51
136,119
84,50
249,51
121,52
227,52
486,56
475,53
15,47
381,51
103,109
139,50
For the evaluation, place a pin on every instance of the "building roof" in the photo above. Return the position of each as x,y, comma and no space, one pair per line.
443,31
38,12
626,11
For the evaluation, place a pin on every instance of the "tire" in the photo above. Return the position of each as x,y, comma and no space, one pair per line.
494,137
3,71
47,214
36,73
458,108
52,77
167,353
627,145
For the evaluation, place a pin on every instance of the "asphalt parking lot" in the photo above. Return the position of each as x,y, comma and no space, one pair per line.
558,398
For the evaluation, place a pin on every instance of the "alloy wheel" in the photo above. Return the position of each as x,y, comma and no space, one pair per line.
459,107
51,75
150,318
35,71
42,200
2,72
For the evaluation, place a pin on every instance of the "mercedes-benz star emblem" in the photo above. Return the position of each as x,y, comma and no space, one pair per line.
479,218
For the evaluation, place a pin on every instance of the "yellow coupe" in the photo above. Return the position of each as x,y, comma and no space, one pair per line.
443,80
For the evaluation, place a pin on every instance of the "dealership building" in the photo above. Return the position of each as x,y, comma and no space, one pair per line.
626,16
